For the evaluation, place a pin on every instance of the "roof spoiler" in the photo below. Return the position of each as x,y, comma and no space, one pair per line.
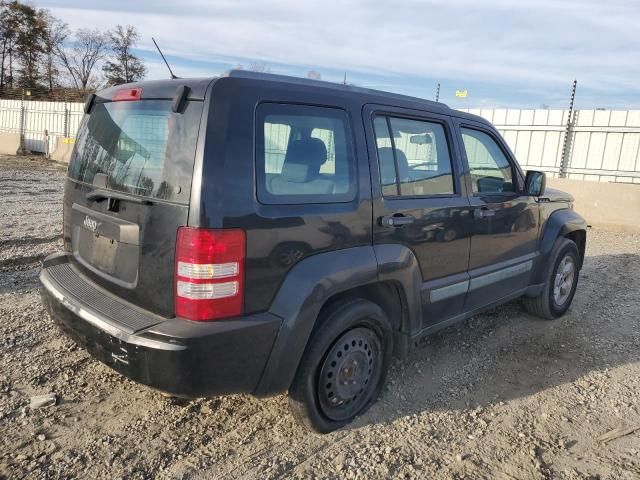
180,98
88,103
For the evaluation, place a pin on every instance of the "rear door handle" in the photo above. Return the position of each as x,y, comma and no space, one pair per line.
397,220
484,212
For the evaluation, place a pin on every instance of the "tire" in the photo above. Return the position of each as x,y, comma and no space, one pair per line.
553,303
348,335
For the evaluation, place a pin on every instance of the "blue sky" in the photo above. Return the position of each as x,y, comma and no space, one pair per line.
505,53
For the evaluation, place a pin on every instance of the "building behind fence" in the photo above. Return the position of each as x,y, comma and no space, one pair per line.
602,145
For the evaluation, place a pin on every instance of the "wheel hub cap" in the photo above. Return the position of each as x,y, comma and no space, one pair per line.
353,374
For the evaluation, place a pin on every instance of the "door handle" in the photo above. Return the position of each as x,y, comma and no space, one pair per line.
484,212
397,220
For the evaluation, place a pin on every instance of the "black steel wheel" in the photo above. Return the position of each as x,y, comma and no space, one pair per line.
344,365
349,371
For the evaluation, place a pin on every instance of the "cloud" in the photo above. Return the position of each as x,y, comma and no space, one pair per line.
524,44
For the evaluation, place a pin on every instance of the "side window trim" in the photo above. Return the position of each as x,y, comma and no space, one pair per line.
449,132
515,170
387,120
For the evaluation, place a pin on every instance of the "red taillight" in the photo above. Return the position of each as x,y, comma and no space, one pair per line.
209,273
127,95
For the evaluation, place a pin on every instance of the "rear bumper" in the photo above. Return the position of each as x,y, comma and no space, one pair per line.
181,357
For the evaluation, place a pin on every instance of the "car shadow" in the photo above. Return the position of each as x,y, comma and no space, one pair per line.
506,353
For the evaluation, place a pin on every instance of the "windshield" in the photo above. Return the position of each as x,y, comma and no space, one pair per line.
143,148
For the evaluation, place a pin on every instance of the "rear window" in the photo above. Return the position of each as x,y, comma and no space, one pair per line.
142,147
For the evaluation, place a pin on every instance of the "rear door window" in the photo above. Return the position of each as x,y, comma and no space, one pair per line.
143,148
414,157
304,154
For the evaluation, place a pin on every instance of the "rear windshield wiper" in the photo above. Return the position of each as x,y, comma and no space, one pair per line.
99,195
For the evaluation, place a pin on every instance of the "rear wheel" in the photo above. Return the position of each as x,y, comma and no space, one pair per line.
560,285
344,366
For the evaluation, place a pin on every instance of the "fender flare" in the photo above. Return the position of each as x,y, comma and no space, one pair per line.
559,224
397,263
307,287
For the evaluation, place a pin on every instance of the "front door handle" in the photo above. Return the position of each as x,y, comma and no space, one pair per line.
484,212
397,220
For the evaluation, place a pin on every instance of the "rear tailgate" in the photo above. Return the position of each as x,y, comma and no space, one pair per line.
128,192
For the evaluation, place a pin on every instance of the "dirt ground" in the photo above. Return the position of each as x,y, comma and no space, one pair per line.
502,395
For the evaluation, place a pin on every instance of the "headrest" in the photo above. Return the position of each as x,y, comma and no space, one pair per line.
403,164
386,163
303,160
387,167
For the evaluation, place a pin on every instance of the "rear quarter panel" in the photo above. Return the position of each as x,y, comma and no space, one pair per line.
278,236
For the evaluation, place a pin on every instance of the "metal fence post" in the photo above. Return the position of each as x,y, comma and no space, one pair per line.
22,115
66,119
568,135
47,153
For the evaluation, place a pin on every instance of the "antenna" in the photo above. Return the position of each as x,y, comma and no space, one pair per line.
173,77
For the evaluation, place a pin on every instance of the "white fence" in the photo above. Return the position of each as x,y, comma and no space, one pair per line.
41,123
602,145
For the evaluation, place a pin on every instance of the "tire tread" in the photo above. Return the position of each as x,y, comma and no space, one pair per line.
540,306
299,403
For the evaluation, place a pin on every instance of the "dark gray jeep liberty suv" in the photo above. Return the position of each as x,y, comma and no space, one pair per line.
260,234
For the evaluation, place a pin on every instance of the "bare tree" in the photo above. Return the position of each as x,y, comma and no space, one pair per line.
3,40
124,66
27,40
54,35
314,75
12,20
29,44
79,59
7,37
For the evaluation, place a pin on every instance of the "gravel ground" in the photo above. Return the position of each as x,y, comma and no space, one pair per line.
502,395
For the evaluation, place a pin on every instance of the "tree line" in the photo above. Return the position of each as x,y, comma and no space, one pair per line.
38,50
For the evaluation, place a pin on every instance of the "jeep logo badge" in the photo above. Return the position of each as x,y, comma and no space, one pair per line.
91,224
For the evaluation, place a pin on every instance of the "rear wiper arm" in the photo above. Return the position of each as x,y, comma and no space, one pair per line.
99,195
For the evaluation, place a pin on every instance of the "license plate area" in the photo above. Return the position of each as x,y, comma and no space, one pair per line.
103,253
116,261
106,245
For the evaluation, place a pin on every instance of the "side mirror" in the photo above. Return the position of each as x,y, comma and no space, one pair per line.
535,183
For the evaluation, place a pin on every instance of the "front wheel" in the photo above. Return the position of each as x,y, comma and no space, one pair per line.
344,366
560,285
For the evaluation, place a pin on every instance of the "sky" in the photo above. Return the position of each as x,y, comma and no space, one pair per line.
505,53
